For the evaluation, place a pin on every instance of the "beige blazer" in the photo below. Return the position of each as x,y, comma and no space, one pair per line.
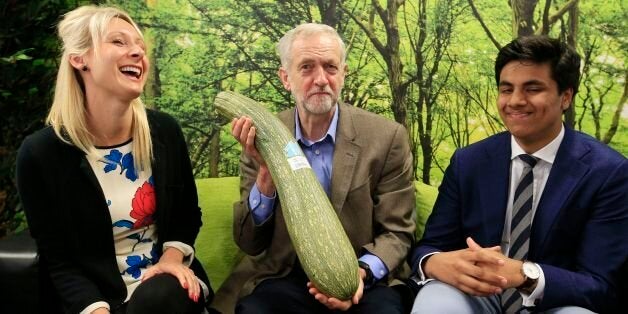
372,192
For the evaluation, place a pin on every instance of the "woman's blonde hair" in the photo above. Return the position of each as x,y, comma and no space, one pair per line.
80,30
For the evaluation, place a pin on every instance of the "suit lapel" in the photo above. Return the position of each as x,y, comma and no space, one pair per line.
493,188
565,174
287,117
346,154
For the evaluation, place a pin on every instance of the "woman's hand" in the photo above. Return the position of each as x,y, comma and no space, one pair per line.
171,262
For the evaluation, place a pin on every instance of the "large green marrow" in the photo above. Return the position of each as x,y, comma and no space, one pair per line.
317,235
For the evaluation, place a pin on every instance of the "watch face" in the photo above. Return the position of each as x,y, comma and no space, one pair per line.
530,270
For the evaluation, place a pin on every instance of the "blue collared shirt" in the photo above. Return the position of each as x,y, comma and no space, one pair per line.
320,154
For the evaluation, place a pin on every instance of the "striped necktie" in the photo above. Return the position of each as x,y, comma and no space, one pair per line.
520,228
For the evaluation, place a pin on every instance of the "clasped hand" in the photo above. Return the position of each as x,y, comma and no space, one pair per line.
475,270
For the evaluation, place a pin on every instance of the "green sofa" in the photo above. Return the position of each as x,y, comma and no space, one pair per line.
219,254
214,245
27,290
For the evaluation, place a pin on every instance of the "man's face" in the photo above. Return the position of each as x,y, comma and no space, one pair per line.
316,74
529,103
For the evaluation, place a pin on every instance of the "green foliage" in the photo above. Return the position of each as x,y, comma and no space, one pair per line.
198,48
604,47
202,47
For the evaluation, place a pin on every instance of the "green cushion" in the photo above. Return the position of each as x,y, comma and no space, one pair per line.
425,198
214,245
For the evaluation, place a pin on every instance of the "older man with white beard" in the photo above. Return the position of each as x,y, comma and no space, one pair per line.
364,163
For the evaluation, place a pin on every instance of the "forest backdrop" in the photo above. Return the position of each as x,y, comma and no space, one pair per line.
427,64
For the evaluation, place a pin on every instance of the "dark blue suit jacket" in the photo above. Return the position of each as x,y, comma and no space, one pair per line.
580,229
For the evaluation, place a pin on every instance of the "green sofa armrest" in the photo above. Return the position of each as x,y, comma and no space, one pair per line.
215,247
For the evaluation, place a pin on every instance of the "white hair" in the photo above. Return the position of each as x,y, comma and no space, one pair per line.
285,43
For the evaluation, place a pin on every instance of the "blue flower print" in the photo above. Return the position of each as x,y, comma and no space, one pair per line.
127,163
112,160
123,223
136,263
115,158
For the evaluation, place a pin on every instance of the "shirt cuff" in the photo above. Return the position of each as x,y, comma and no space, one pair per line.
378,268
188,251
96,305
537,294
261,205
422,275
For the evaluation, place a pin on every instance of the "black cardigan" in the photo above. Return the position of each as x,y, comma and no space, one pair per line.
68,215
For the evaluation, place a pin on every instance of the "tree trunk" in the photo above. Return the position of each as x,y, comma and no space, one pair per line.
214,155
327,9
426,148
523,17
196,158
393,61
572,35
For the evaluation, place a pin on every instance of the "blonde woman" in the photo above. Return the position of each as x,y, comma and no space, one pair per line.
107,187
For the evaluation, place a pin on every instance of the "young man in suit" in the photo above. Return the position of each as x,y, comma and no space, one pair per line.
364,163
535,218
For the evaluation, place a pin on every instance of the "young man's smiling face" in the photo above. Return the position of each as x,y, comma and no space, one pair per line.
530,104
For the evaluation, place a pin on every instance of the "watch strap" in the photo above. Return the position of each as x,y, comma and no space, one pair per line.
368,280
529,284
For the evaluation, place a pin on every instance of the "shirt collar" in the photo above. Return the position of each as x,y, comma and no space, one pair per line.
331,131
547,153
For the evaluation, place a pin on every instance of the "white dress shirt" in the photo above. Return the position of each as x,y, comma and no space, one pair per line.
541,171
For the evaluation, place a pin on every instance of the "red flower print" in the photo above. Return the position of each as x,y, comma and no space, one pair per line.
143,205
